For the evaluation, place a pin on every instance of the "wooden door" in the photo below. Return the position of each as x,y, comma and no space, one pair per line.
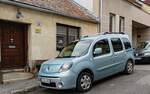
12,45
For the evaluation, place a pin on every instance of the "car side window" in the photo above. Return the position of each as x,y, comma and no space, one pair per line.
103,45
126,43
117,44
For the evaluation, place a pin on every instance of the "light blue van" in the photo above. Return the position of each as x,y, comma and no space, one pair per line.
87,60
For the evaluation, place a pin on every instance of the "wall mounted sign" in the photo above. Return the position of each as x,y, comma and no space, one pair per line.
38,27
38,30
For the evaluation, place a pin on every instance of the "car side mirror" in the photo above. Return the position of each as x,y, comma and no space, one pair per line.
98,51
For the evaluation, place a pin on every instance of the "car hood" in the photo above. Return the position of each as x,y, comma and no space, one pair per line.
140,50
59,61
53,65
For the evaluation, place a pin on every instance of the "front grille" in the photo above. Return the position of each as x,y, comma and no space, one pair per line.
48,77
52,84
138,54
141,54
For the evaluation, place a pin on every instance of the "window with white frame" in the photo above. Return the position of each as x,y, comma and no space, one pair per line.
112,22
122,24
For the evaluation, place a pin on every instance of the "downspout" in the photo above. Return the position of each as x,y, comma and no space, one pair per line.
101,16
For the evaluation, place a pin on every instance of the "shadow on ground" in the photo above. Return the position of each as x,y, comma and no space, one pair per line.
73,91
142,63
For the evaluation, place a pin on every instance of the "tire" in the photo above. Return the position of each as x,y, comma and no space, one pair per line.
84,82
129,69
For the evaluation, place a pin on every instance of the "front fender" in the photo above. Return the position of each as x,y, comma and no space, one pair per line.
79,67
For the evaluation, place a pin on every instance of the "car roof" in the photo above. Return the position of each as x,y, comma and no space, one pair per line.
101,36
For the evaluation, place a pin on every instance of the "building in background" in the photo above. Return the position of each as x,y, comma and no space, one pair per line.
146,6
147,2
86,3
129,16
34,30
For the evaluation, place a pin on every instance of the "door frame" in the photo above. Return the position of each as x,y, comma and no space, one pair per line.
25,39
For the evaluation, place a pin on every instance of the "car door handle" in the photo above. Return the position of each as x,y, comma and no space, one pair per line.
91,59
115,55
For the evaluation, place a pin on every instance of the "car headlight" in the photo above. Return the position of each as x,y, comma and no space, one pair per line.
136,54
65,67
146,54
50,68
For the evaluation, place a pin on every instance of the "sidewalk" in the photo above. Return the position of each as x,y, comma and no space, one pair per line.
19,86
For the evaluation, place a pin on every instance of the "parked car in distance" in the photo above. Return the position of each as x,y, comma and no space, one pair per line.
142,53
87,60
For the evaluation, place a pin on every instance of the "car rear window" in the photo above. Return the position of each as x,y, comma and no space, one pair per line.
117,44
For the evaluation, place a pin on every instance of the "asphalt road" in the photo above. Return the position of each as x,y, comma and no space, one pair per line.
137,83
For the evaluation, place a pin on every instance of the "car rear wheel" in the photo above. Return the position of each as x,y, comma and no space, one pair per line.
129,69
84,82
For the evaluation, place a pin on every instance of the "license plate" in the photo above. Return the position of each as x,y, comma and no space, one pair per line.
45,80
138,58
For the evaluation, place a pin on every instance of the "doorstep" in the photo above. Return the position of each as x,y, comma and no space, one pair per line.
12,70
16,76
19,86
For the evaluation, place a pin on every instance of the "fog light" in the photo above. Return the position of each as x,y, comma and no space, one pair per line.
60,85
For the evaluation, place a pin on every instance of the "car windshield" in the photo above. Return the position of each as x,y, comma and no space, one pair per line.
142,45
75,49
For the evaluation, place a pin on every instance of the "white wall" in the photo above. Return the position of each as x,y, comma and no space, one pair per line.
88,4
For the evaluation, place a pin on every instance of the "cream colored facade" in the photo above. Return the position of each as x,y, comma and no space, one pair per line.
42,46
131,13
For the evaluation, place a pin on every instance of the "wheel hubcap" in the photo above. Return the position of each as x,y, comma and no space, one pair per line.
85,82
130,67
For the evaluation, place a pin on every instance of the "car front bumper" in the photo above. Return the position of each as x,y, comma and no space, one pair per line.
60,81
142,59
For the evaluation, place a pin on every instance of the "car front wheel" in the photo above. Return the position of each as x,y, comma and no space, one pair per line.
84,82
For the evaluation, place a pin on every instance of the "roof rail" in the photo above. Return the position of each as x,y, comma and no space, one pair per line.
113,33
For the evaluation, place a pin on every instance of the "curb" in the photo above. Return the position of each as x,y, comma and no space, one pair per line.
26,90
18,91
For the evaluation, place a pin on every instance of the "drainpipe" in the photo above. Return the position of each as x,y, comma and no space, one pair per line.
101,16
